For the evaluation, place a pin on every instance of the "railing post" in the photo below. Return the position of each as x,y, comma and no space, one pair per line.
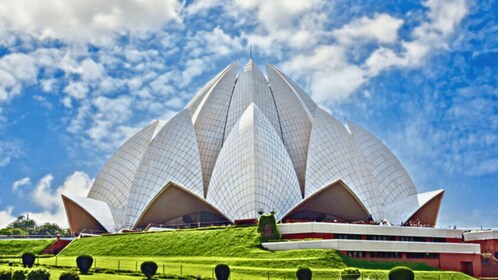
163,268
119,265
136,266
181,269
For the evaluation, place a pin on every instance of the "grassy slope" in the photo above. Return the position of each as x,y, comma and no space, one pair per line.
9,247
236,246
196,252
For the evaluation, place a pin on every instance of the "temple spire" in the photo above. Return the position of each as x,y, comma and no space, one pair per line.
250,52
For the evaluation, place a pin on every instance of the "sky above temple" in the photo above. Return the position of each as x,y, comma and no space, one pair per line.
77,78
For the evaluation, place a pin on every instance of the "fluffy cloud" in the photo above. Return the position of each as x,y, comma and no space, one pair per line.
15,70
49,199
345,70
26,181
9,150
6,217
93,21
281,24
381,28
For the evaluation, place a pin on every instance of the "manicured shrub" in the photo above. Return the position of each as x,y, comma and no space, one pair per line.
401,273
84,263
148,269
69,275
350,273
5,275
222,271
19,274
267,227
304,273
38,274
28,259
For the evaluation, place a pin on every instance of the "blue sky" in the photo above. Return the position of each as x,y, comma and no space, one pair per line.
79,77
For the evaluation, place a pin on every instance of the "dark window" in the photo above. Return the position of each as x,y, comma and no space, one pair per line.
437,239
422,255
355,254
413,238
395,255
380,237
348,236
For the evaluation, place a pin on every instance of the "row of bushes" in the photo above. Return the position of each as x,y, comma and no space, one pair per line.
397,273
32,274
149,269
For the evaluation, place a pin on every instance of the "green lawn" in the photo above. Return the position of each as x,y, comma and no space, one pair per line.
16,247
196,252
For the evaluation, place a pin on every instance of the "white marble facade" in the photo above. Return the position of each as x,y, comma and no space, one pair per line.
248,142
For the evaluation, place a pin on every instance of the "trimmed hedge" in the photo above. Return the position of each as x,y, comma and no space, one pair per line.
69,275
84,263
38,274
149,269
304,273
19,274
350,273
28,259
401,273
222,271
5,275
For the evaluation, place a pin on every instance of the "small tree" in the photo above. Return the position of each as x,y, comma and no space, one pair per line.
69,275
28,259
401,273
19,274
148,269
222,271
84,263
304,273
350,273
38,274
5,275
267,227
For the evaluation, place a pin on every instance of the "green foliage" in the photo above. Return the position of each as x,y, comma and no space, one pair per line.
24,223
267,227
38,274
28,259
18,247
26,226
367,264
222,271
84,263
19,274
304,273
401,273
236,242
149,269
350,273
12,231
5,275
69,275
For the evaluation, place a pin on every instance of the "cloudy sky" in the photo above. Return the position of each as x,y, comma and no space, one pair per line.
79,77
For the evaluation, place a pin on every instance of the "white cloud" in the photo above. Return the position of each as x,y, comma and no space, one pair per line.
26,181
334,70
15,69
49,199
6,217
281,24
382,28
9,150
94,21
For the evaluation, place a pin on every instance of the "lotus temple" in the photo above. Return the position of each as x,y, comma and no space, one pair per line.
249,143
